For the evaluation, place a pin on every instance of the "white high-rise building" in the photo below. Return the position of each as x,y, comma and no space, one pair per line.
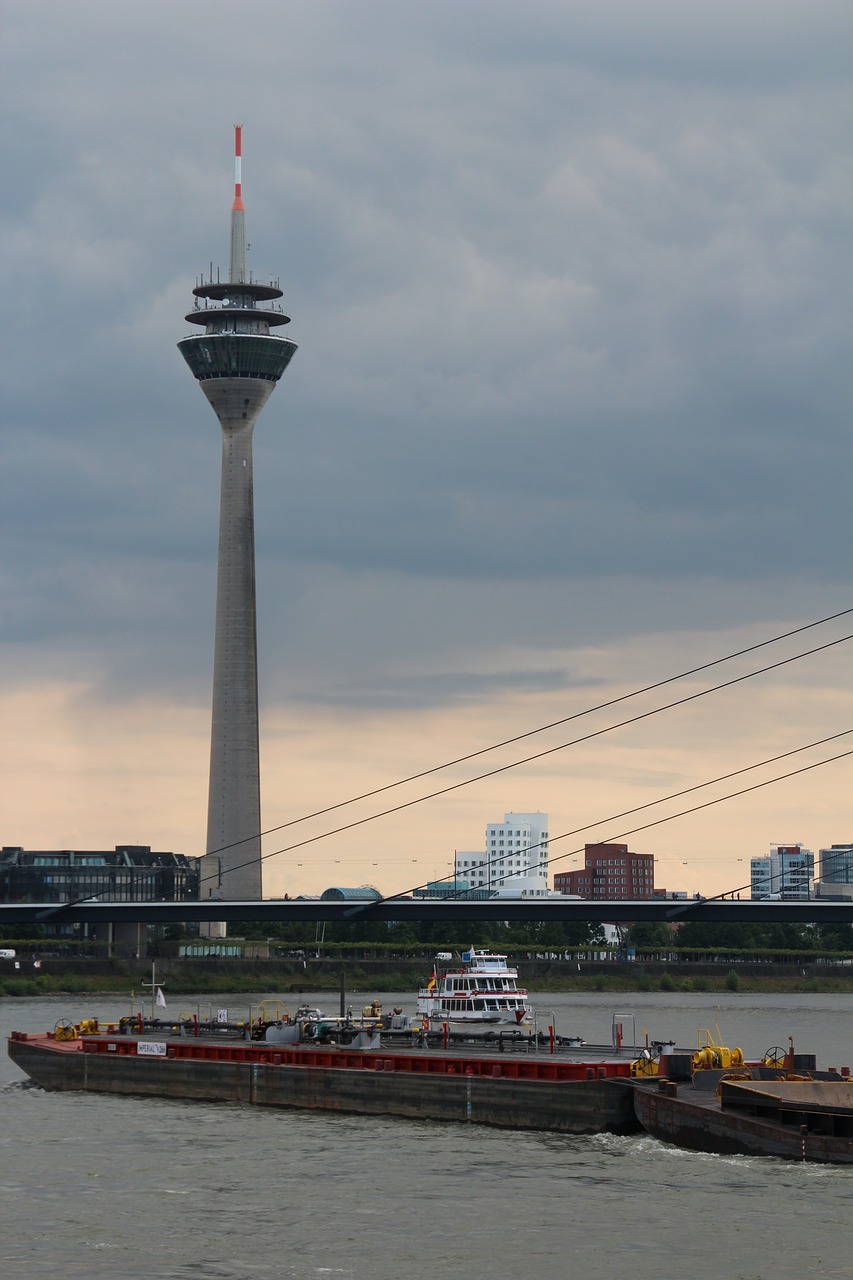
787,873
515,860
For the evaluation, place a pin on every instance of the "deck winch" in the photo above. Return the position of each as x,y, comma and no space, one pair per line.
711,1055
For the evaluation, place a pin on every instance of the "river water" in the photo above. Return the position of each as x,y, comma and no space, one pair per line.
101,1186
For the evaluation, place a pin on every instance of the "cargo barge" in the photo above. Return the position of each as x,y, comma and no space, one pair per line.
510,1090
795,1119
710,1100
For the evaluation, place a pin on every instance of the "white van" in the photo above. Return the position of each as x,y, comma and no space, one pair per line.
7,953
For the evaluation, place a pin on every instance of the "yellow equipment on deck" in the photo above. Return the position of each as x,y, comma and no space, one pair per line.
646,1065
711,1055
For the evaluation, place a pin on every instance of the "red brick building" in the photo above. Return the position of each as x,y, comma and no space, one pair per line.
610,872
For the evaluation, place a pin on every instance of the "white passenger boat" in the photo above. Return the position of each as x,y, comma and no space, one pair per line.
480,993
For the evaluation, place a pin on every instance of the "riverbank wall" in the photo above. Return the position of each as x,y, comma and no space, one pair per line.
34,975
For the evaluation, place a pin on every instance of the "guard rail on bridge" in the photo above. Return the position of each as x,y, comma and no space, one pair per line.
403,909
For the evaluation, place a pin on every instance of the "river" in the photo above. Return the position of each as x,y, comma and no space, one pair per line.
101,1186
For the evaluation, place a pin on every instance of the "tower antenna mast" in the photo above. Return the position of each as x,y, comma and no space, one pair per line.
237,267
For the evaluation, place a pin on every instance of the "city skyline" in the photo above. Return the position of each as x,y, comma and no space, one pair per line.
570,416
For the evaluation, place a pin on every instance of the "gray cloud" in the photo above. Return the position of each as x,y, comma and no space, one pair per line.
569,288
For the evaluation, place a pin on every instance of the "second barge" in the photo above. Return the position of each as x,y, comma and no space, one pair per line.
795,1119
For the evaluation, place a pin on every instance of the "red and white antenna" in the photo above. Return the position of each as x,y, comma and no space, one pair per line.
238,173
237,271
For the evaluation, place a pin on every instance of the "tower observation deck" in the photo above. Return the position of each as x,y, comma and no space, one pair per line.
237,360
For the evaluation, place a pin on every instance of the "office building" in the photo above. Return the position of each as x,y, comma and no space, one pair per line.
610,872
127,873
514,862
786,873
835,864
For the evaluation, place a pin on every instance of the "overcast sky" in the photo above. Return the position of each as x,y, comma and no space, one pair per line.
570,413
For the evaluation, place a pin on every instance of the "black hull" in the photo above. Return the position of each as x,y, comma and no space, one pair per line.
704,1126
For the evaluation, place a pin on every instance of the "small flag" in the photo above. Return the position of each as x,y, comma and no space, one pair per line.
431,984
161,999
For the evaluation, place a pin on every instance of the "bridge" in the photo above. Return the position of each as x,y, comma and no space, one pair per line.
296,910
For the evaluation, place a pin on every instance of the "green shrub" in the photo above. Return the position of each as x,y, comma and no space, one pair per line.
20,987
666,982
732,981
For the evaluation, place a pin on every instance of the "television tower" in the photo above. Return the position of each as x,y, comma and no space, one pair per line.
237,361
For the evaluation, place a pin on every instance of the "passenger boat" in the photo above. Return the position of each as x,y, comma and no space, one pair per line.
479,994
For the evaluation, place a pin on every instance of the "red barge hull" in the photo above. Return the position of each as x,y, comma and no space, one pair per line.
508,1091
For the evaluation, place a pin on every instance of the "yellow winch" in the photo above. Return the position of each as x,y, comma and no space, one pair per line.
713,1056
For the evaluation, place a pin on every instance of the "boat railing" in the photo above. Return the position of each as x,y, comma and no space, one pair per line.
269,1011
619,1029
544,1021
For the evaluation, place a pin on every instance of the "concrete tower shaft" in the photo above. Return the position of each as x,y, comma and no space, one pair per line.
237,361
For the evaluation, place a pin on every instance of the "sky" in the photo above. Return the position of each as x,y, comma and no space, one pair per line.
569,416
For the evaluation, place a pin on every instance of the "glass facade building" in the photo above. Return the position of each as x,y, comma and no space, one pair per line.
128,873
836,864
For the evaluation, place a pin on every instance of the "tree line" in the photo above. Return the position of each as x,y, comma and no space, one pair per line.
645,935
551,935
